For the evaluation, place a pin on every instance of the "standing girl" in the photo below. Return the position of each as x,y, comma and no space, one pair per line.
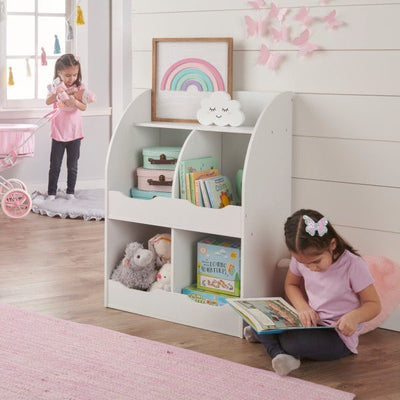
66,126
329,284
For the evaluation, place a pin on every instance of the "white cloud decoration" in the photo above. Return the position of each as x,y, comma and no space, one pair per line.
220,110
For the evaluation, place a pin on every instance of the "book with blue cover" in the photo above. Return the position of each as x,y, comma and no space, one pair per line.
219,189
193,165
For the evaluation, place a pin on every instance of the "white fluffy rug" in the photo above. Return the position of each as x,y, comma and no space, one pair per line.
88,204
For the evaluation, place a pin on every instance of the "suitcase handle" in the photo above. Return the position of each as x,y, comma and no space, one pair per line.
161,181
162,160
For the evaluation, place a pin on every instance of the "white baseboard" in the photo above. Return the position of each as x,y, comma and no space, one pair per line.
80,185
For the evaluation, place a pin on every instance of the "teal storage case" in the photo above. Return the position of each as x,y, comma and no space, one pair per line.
160,157
147,194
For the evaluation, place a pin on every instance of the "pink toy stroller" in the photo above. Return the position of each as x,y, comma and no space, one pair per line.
17,141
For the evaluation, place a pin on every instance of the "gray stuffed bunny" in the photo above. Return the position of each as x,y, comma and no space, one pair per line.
137,270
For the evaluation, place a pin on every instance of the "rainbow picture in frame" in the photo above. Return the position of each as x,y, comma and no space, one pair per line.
192,72
185,70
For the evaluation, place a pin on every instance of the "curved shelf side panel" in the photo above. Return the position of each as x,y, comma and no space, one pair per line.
266,197
122,147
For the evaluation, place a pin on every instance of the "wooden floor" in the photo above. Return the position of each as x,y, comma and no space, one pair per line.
55,267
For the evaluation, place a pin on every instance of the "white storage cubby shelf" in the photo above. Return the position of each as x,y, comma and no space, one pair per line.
261,147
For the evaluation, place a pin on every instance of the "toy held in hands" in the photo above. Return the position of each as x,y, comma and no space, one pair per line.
66,96
137,269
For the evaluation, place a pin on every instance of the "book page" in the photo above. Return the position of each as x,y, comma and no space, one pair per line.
267,313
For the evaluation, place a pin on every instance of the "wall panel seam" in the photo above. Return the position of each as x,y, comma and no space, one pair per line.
371,185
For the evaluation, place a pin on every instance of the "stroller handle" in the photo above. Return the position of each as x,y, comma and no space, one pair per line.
41,122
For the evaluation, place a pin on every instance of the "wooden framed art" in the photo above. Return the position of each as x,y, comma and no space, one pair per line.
185,70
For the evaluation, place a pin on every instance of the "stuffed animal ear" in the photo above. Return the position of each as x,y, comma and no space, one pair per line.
386,274
132,248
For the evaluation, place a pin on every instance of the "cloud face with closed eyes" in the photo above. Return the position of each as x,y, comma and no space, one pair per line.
220,110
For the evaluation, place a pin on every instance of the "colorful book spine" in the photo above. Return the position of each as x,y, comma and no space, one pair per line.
206,200
191,165
198,195
194,176
187,185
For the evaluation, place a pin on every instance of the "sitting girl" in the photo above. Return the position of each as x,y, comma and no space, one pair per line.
329,284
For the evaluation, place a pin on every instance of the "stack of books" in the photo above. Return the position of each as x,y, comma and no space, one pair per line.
218,271
201,183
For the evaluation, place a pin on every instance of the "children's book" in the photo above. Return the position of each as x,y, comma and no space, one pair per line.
198,195
219,189
192,165
204,194
269,314
194,176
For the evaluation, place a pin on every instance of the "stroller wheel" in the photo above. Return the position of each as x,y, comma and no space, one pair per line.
16,203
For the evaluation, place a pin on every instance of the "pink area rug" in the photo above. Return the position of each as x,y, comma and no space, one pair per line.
47,358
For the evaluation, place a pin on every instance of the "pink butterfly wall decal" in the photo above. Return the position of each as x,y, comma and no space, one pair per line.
303,17
277,13
257,4
280,36
305,47
256,27
313,227
331,20
266,57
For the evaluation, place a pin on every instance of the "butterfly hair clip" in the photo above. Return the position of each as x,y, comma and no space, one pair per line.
312,227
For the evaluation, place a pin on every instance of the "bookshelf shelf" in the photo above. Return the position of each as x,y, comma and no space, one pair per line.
175,213
262,148
247,130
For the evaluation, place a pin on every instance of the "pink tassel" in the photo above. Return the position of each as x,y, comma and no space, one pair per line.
43,57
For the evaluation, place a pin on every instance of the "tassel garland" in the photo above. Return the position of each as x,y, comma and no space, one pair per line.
57,49
28,68
10,77
43,57
70,32
79,16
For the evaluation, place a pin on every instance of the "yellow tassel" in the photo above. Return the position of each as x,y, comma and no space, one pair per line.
79,16
10,77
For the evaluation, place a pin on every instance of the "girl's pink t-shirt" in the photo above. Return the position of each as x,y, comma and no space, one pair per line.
67,124
333,293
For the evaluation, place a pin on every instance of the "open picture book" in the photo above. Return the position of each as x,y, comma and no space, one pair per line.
269,314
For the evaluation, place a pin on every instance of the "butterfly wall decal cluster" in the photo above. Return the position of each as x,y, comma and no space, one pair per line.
274,25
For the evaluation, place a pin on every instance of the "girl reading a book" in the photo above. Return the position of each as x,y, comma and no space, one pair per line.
328,284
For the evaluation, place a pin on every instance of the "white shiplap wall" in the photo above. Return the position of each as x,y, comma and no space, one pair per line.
346,145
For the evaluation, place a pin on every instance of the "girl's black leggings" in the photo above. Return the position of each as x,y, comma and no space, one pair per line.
312,344
57,153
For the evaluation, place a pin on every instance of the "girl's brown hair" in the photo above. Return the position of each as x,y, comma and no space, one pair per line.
298,240
65,61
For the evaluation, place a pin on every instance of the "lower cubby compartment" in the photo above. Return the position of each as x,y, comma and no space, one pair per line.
120,233
174,307
186,261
